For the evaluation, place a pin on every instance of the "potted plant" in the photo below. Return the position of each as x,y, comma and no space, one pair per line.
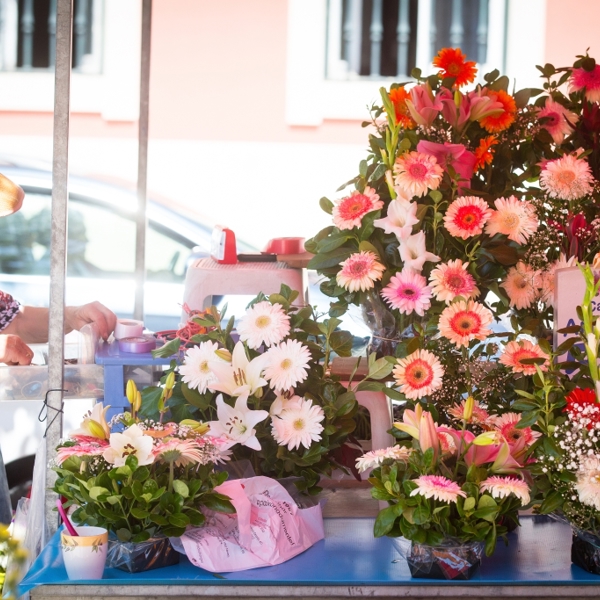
141,480
451,490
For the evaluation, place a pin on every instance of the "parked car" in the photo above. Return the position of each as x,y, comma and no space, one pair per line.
101,246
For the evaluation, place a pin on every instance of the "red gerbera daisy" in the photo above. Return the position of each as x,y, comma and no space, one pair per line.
452,63
496,123
398,97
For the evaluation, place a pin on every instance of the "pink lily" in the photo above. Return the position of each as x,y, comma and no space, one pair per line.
422,105
420,425
454,155
474,455
482,105
455,108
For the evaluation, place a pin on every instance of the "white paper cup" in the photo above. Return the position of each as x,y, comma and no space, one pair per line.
84,555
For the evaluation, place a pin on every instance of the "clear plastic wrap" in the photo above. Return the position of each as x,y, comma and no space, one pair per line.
585,546
450,560
135,557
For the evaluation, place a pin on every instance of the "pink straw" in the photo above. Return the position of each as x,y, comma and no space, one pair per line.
63,514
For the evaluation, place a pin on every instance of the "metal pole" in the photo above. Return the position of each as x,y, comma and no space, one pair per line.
140,246
60,176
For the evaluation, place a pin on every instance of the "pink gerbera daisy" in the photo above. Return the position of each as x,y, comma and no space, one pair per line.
479,415
567,178
452,279
558,120
408,291
349,211
521,285
84,449
501,487
438,487
507,423
588,81
419,374
515,352
465,320
466,216
514,218
375,458
359,272
547,277
417,173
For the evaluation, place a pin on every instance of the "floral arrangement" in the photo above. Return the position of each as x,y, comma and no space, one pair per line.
139,478
567,191
565,409
452,484
431,241
266,391
441,209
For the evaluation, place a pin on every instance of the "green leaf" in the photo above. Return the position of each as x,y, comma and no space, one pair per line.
218,503
332,242
329,259
421,515
528,418
385,521
195,398
380,368
181,488
98,491
365,246
168,349
552,502
159,520
179,520
469,504
341,343
326,205
123,534
139,513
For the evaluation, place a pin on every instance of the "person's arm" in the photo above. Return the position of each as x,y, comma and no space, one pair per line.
31,324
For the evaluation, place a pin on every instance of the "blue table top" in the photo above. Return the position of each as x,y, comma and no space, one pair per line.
109,354
538,553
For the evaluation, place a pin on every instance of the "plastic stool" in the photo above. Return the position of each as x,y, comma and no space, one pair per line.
378,405
206,278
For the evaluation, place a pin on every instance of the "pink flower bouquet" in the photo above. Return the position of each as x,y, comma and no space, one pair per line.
452,485
139,478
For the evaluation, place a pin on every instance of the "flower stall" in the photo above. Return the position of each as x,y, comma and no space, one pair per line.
469,200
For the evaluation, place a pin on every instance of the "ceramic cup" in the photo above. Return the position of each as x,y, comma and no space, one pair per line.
85,554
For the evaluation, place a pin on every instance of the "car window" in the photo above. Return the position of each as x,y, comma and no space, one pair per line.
101,243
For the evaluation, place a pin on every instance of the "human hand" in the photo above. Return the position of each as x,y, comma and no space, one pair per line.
14,351
94,312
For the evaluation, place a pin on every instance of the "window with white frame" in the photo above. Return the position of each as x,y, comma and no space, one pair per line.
382,38
28,34
106,57
340,52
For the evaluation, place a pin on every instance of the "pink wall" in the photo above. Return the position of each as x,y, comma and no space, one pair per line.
218,72
219,68
571,28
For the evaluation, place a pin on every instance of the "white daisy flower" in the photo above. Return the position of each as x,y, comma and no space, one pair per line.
264,323
298,425
196,371
286,365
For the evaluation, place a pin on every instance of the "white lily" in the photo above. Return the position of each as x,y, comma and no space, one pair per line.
132,441
94,423
413,252
401,216
236,423
240,376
